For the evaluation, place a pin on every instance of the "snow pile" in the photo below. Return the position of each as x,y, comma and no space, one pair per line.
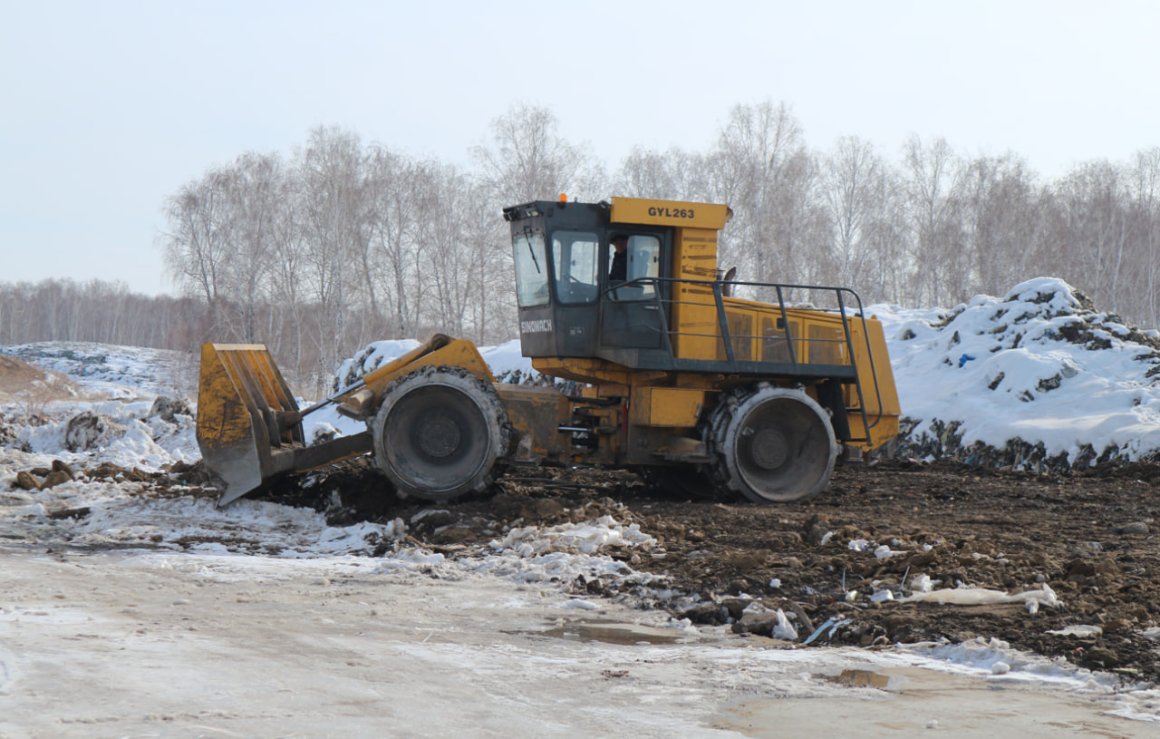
130,434
586,538
129,514
996,657
1037,379
572,554
372,356
114,371
506,361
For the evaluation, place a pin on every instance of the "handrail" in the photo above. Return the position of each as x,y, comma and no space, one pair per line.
728,340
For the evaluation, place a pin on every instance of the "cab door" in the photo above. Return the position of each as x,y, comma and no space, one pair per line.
633,312
575,256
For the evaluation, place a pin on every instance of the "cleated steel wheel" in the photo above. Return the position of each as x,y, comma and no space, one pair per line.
440,433
771,444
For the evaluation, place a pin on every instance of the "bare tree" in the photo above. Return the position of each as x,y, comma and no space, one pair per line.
1090,228
196,246
999,203
858,191
330,169
527,159
673,175
392,221
253,193
763,169
939,270
1144,194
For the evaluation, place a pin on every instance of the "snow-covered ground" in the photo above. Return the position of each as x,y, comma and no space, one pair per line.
1030,378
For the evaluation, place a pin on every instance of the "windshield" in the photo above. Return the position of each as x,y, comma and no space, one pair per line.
531,269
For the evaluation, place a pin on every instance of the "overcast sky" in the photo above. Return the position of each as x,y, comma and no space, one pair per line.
109,106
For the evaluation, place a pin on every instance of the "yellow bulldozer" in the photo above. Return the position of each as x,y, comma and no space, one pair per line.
697,381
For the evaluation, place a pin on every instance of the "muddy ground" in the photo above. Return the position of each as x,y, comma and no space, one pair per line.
1090,538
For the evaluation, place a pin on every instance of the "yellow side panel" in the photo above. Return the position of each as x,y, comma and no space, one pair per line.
669,213
882,406
694,311
666,406
536,413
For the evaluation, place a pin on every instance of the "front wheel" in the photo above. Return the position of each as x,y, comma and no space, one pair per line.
440,433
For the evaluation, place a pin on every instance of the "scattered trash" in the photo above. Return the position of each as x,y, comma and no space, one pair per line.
1082,631
831,624
966,596
783,629
581,604
921,584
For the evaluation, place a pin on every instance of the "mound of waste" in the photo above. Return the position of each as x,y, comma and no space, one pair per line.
506,361
1037,380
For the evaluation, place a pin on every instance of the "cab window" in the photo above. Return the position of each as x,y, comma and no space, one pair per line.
576,258
531,269
644,255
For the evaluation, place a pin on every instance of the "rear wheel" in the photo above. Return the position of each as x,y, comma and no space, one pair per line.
440,433
771,445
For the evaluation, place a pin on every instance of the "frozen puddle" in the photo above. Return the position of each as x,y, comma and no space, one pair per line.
614,633
917,701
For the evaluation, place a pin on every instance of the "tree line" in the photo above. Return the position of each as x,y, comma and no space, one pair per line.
341,242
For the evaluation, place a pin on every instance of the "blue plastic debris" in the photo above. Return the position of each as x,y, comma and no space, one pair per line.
833,624
963,359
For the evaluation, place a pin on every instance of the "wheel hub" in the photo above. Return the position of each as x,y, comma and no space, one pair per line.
438,436
769,448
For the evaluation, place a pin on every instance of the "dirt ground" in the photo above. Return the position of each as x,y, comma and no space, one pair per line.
1090,538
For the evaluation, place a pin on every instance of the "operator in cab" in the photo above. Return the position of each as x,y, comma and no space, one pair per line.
618,272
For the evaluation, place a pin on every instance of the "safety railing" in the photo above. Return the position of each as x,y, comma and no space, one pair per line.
780,349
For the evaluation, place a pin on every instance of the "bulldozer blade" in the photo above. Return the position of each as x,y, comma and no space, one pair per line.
248,425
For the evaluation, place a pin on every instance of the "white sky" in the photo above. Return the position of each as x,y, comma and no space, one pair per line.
108,107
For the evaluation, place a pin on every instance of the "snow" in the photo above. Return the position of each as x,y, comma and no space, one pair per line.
1005,370
1035,368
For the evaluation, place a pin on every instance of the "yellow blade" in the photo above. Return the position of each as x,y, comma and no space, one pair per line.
245,412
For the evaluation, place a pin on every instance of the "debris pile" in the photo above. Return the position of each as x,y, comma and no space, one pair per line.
43,478
1038,380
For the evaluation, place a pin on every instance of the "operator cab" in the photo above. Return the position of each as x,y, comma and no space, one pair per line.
574,300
